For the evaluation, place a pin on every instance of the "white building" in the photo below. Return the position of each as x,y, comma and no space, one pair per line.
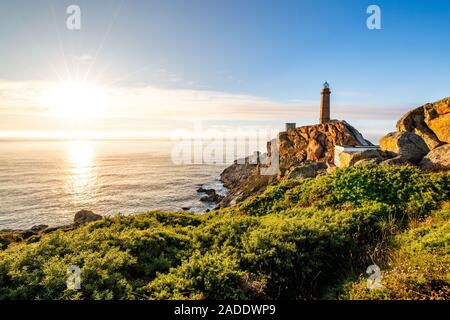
339,149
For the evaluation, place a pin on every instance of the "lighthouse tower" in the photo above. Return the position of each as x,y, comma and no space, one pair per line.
325,103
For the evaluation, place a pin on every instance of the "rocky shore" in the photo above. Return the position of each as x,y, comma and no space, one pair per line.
33,234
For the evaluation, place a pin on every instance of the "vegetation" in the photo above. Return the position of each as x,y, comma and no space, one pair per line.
418,268
301,239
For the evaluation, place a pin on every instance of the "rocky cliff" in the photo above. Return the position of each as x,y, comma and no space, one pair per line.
303,152
316,143
242,181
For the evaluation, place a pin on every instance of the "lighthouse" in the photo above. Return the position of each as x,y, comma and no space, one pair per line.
325,103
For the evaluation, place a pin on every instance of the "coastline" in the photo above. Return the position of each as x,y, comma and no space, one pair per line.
212,193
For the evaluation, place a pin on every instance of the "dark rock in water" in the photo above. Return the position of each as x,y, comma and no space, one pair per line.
86,216
212,197
207,191
186,208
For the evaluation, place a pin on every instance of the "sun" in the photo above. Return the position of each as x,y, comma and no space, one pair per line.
77,100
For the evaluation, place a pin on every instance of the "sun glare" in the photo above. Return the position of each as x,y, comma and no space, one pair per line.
80,156
80,153
77,100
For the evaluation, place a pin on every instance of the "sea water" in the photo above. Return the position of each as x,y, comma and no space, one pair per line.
48,182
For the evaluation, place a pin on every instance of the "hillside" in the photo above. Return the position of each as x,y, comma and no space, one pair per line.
300,239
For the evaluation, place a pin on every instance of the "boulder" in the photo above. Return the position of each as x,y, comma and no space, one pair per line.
347,159
86,216
438,158
364,162
437,117
431,122
302,172
408,145
308,170
396,161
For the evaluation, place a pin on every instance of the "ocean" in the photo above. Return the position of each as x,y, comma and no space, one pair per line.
48,182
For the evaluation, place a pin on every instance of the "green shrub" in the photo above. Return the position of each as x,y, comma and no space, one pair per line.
300,239
300,252
419,267
208,276
412,192
115,256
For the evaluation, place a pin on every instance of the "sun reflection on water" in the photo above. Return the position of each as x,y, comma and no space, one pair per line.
80,158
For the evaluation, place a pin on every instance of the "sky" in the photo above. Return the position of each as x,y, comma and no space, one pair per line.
147,68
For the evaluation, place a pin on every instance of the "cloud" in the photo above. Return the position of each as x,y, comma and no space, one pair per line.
151,108
22,96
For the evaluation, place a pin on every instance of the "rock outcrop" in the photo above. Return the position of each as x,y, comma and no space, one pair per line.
86,216
438,158
430,121
316,143
11,236
33,234
308,170
422,137
243,180
303,152
407,145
